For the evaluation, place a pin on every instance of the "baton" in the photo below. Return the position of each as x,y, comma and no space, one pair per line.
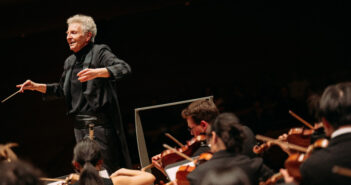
10,96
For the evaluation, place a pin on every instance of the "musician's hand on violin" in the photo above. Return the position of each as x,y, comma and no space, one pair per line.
287,177
283,137
30,85
156,157
285,148
156,161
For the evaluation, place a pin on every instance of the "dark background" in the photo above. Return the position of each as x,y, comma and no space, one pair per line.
258,58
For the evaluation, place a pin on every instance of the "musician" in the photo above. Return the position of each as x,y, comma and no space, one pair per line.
88,85
335,106
199,114
19,172
226,137
87,160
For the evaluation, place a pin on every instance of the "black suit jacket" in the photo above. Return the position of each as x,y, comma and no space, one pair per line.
254,168
99,91
317,169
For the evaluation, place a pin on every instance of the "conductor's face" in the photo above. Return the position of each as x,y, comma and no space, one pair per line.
76,37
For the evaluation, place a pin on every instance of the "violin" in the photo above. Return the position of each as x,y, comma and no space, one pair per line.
272,180
298,136
170,157
302,136
294,161
183,171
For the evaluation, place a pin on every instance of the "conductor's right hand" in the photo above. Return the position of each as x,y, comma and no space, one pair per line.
30,85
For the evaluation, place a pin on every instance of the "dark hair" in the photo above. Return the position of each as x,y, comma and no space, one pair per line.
227,127
87,153
19,173
225,176
335,104
201,110
313,106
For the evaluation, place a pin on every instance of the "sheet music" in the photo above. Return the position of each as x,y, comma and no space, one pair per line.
172,171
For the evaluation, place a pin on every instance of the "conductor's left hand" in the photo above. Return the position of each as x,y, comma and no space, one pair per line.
90,74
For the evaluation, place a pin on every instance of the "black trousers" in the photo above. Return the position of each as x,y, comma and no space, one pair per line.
109,143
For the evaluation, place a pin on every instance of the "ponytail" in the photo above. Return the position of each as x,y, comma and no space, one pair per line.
89,175
87,154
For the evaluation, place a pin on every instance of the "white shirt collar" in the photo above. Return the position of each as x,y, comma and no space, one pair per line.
341,131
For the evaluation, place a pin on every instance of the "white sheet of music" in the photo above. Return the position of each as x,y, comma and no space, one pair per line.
172,171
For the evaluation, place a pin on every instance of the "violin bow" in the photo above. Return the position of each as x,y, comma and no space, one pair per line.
300,119
276,141
179,153
72,178
174,139
342,171
51,179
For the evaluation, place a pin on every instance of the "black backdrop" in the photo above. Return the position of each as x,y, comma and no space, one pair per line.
258,58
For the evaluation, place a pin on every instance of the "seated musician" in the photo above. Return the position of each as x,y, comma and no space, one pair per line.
335,110
88,161
226,138
199,114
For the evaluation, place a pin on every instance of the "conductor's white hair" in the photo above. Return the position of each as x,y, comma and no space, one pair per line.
87,22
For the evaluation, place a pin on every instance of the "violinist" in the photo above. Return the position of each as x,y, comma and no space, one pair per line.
88,161
334,108
199,114
226,137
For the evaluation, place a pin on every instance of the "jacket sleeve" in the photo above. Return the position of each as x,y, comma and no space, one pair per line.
55,90
116,67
